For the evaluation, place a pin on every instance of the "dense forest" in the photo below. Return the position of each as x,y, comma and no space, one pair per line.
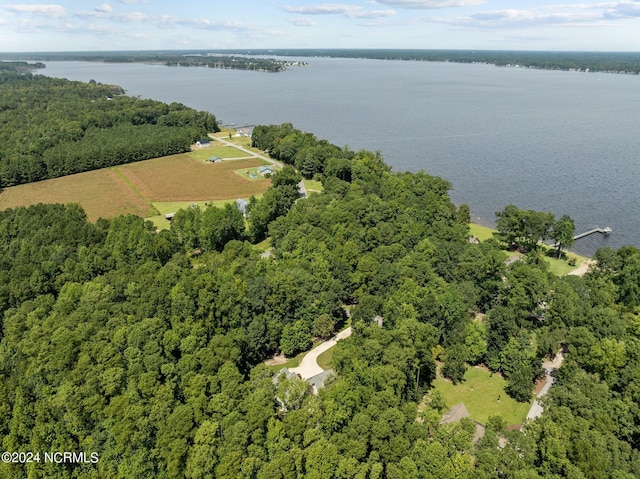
54,127
147,348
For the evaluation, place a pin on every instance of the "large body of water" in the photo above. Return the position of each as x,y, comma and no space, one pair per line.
565,142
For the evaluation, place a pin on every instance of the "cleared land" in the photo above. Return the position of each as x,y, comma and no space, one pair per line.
137,187
180,178
102,193
483,395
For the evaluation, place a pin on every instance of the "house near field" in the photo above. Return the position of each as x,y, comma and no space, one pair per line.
265,170
214,159
169,216
204,143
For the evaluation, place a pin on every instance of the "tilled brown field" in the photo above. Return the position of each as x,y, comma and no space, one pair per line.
131,188
180,178
102,193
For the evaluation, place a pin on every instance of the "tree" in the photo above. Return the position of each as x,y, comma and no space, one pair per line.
221,225
562,233
455,363
523,228
475,341
186,226
295,338
323,326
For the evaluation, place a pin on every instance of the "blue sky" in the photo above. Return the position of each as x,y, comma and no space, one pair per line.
74,25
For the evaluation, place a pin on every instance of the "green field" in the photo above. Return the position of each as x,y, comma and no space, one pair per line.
483,395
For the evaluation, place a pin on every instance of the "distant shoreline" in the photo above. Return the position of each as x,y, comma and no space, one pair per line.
601,62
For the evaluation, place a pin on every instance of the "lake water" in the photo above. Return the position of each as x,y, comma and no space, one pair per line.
565,142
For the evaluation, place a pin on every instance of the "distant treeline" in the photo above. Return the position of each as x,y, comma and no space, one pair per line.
614,62
610,62
174,58
54,127
20,66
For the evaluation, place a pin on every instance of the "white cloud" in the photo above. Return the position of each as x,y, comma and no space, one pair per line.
375,14
349,11
47,10
104,8
304,22
513,18
132,17
623,10
431,4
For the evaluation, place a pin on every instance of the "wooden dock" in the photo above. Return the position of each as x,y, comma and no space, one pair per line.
604,231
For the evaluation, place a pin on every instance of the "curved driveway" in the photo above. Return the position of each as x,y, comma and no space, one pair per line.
309,364
550,367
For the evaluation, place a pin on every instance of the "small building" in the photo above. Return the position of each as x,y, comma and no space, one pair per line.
204,143
458,412
454,414
318,381
265,170
169,216
214,159
283,372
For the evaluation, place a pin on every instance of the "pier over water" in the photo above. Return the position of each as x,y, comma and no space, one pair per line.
604,231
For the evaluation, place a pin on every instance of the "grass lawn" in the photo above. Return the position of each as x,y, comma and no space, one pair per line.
560,267
325,360
313,186
483,233
479,393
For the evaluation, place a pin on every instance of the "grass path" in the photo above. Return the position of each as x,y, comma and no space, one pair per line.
133,187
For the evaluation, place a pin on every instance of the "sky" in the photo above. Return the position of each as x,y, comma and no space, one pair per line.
74,25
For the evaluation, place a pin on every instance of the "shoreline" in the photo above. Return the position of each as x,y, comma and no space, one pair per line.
482,232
